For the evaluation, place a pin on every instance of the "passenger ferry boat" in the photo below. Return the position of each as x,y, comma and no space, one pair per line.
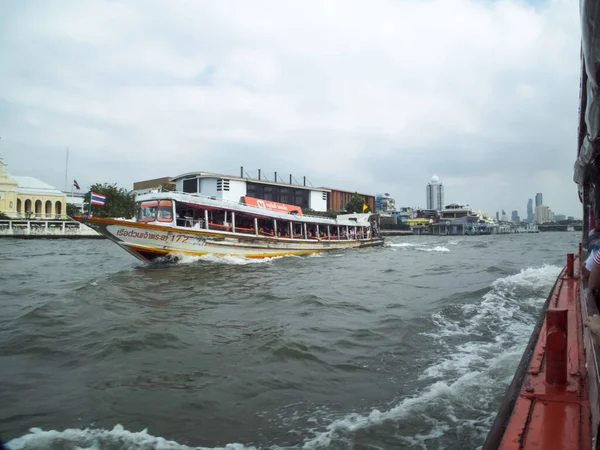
177,223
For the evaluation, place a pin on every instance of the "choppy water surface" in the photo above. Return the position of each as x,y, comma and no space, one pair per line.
408,346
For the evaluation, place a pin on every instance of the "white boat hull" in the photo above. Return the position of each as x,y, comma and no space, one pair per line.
150,242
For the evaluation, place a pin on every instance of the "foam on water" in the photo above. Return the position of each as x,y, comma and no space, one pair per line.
228,259
99,439
399,244
469,370
419,247
437,248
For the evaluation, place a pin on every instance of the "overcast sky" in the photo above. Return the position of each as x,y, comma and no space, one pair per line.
374,96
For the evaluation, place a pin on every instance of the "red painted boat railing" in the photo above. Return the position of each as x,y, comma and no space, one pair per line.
552,402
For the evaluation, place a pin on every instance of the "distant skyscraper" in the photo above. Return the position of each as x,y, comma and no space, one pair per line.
515,217
538,199
530,210
435,194
543,214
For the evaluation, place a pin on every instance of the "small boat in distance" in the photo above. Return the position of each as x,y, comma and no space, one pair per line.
178,223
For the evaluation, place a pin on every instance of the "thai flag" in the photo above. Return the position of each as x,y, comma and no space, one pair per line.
98,199
76,184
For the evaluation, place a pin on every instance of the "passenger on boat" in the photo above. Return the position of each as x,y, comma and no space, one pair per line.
589,262
593,247
593,324
594,279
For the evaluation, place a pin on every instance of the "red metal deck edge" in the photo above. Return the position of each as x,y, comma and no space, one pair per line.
554,416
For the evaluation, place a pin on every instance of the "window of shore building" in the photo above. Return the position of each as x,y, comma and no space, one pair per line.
268,193
281,194
190,185
284,195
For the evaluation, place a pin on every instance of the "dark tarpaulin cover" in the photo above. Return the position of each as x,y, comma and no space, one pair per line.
589,124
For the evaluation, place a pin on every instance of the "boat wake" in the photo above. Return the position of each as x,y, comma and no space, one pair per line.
465,381
227,260
419,247
479,341
99,439
437,248
399,244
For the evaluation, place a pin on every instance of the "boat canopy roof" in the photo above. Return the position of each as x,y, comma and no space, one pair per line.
202,201
588,157
356,219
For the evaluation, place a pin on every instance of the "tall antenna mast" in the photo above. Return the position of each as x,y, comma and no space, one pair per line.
66,169
2,163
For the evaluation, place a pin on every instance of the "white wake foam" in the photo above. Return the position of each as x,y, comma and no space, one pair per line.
469,368
420,247
399,244
99,439
437,248
230,260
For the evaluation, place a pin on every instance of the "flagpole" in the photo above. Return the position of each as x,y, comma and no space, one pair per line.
66,169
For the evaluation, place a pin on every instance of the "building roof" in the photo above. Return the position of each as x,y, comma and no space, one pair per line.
30,185
252,180
460,220
149,184
346,192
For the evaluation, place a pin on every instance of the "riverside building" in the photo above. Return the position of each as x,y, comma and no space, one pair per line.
30,198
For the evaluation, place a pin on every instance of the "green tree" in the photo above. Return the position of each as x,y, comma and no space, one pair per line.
167,187
119,201
72,210
356,203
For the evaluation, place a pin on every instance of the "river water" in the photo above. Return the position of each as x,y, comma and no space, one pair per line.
407,346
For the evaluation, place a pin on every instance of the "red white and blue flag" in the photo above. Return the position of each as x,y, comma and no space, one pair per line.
76,184
98,199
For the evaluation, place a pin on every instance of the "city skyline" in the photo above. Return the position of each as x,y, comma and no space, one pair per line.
438,197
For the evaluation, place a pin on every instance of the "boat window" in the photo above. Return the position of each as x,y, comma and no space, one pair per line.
298,230
147,211
265,227
165,211
244,223
189,215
